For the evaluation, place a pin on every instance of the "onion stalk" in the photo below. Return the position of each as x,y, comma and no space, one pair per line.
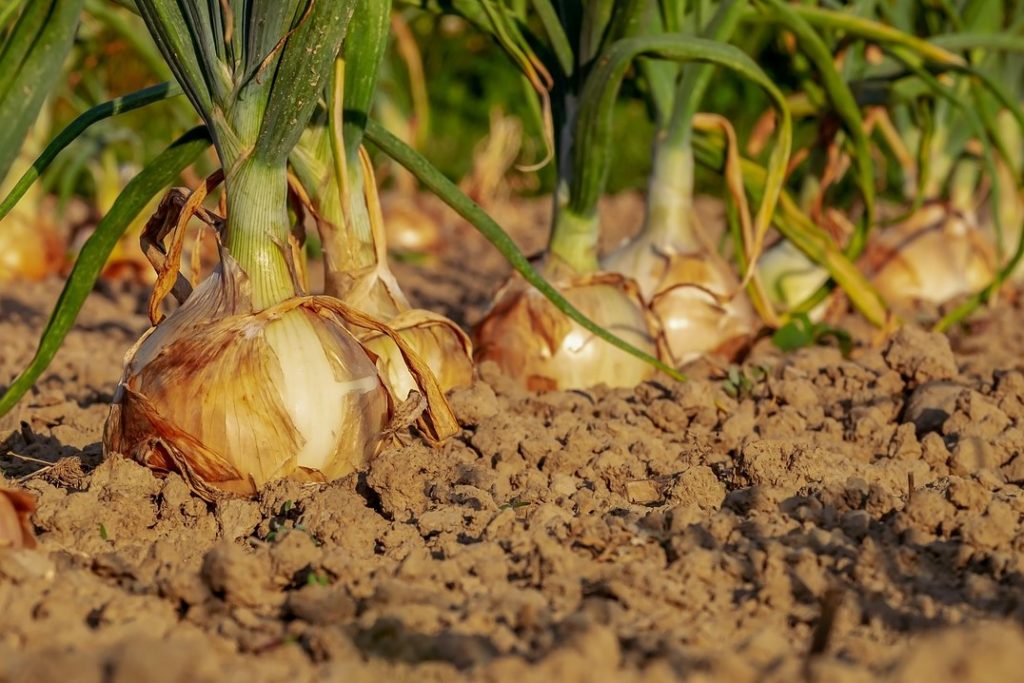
249,381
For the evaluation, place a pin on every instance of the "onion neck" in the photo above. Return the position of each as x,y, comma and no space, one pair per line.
258,226
351,245
573,242
669,220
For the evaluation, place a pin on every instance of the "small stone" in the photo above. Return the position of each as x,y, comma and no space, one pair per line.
239,577
971,455
473,404
995,529
931,404
642,492
920,356
856,524
1013,471
969,494
321,604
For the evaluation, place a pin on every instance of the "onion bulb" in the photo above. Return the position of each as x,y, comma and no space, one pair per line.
15,527
934,256
692,292
532,340
31,248
790,277
232,397
411,226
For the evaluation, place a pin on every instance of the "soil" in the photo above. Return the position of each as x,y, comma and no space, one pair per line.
829,519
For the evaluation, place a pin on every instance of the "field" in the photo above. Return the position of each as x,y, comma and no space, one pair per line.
511,340
839,520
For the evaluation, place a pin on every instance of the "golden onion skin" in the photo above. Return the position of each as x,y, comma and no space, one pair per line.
232,398
532,341
934,256
694,296
15,526
439,342
30,248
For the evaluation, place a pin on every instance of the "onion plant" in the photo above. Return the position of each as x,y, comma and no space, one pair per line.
691,289
339,179
578,57
199,42
944,106
250,380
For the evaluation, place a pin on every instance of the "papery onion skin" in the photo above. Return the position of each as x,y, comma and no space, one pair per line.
232,399
934,256
695,297
532,341
442,345
16,507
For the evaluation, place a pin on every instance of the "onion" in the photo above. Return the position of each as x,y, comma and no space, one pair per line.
534,342
790,277
16,507
30,248
934,256
694,295
232,397
410,225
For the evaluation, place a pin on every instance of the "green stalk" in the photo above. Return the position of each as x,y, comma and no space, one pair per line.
258,226
670,196
30,64
573,242
670,185
256,86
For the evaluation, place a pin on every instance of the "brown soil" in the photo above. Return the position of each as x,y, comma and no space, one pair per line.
840,520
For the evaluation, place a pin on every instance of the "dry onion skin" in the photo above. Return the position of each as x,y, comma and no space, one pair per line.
934,256
533,341
438,341
232,398
16,508
695,297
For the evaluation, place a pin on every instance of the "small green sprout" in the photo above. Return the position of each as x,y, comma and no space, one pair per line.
801,332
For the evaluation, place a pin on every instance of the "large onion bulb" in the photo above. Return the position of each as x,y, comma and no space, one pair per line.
532,340
15,527
232,398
